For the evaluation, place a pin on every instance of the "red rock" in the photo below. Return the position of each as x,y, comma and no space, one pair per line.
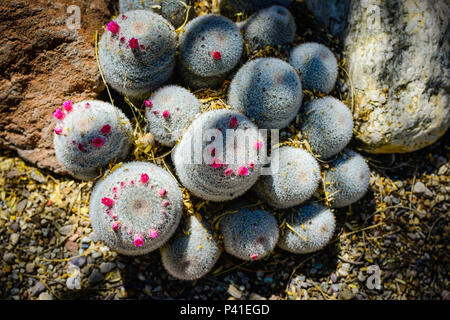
71,246
42,64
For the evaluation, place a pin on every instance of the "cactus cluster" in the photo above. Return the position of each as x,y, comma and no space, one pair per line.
192,252
210,48
231,7
295,181
311,227
169,111
272,26
175,11
268,91
137,53
249,235
89,135
347,179
213,159
317,66
327,125
136,208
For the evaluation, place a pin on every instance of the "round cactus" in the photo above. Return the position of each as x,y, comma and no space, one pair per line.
169,111
317,66
134,61
347,179
270,27
314,226
210,48
89,135
217,176
295,181
327,125
249,235
231,7
192,253
136,208
268,91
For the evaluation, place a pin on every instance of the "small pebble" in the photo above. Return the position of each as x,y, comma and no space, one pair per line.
45,296
95,277
106,267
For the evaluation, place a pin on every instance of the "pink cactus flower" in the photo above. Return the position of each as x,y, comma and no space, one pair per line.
87,105
233,122
258,144
114,189
216,55
114,216
122,183
166,114
106,129
108,202
81,147
58,130
113,27
144,178
59,114
133,43
109,212
68,106
165,203
98,142
213,152
142,47
122,39
251,165
228,172
216,163
156,112
162,192
254,256
148,104
124,17
243,171
153,234
138,240
115,225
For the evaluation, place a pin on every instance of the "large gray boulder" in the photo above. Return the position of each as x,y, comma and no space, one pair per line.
397,56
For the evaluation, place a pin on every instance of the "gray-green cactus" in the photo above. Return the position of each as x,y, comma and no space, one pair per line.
89,135
192,253
136,208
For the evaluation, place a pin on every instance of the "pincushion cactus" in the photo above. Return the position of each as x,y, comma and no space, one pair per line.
169,111
133,59
89,135
348,179
210,48
295,181
268,91
317,66
219,177
269,27
327,125
136,208
314,226
231,7
249,235
192,253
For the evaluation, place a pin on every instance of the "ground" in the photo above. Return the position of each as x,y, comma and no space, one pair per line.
399,230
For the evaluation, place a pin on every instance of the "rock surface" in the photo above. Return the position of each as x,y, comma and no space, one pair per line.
43,62
397,56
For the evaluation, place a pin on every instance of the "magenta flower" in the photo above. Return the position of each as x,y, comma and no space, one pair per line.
116,225
228,172
216,55
213,152
165,203
153,234
133,43
148,104
108,202
81,147
87,105
58,130
59,114
216,163
124,17
98,142
254,256
68,106
138,240
243,171
106,129
166,114
144,178
114,189
113,27
233,122
257,145
122,39
162,192
156,112
251,165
